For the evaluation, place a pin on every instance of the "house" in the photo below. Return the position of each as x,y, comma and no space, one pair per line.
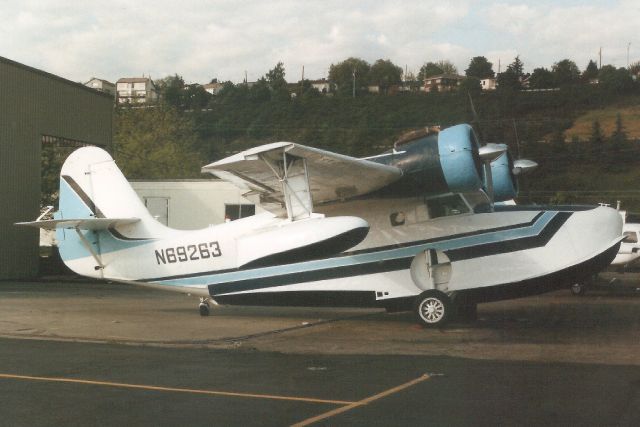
213,88
136,90
322,85
441,83
101,86
191,204
488,84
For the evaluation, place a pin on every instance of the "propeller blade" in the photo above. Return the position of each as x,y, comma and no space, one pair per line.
523,166
491,151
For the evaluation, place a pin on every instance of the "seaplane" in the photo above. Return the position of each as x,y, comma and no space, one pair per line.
415,228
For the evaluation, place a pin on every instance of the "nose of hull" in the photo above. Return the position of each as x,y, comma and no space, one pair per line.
592,232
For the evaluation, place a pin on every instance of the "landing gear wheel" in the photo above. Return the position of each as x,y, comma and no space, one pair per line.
433,308
204,306
204,309
578,289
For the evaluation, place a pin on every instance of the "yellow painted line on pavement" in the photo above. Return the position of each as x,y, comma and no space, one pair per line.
362,402
173,389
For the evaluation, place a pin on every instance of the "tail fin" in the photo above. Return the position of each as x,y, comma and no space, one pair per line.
99,213
92,186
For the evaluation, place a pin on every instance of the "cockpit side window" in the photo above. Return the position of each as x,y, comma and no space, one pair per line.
448,205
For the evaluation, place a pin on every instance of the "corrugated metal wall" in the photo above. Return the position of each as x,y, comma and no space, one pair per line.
34,103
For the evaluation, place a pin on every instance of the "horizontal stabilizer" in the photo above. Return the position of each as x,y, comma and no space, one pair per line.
80,223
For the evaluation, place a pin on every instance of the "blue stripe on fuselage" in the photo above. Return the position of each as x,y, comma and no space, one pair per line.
371,256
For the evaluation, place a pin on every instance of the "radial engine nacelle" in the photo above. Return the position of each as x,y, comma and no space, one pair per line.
436,162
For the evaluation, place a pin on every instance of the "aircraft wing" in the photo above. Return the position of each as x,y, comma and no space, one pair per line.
80,223
329,176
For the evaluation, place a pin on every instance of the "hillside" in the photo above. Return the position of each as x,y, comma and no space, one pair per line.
586,172
630,115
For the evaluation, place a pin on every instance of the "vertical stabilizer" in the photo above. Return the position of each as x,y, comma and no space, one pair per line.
92,188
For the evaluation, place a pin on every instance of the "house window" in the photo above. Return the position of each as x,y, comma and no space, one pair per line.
233,212
447,205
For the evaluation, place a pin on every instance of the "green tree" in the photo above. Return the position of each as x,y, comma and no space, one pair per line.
385,73
619,135
196,97
447,67
429,69
470,85
541,78
565,72
480,68
171,90
517,67
512,77
508,80
615,80
591,72
155,143
596,143
342,75
275,76
260,91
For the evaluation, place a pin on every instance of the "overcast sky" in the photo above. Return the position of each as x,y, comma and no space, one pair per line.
201,40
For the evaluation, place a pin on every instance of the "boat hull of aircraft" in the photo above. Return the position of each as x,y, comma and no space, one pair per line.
474,258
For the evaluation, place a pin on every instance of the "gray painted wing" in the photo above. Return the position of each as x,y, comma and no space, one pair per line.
331,176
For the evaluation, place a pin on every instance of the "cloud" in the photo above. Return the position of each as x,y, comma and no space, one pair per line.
549,32
223,39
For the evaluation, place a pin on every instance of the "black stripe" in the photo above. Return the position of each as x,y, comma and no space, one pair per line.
384,266
116,234
550,282
312,276
317,250
487,249
83,196
303,299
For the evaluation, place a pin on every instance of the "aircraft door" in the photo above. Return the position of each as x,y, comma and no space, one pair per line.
431,269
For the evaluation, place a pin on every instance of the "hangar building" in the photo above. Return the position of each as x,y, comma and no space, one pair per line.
38,108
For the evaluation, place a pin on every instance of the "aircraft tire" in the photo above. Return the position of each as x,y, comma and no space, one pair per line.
433,308
204,309
578,289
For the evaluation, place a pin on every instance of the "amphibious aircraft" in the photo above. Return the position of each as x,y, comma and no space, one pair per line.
414,228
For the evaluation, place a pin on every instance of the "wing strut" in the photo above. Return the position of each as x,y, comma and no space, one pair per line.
295,185
88,247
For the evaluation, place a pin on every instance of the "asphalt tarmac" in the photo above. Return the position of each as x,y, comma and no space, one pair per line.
79,353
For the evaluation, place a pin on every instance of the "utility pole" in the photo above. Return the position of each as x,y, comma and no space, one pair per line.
628,46
354,82
600,58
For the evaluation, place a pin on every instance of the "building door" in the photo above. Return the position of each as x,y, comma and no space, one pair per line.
158,207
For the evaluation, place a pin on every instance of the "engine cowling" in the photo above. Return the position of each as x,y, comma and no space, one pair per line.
459,158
